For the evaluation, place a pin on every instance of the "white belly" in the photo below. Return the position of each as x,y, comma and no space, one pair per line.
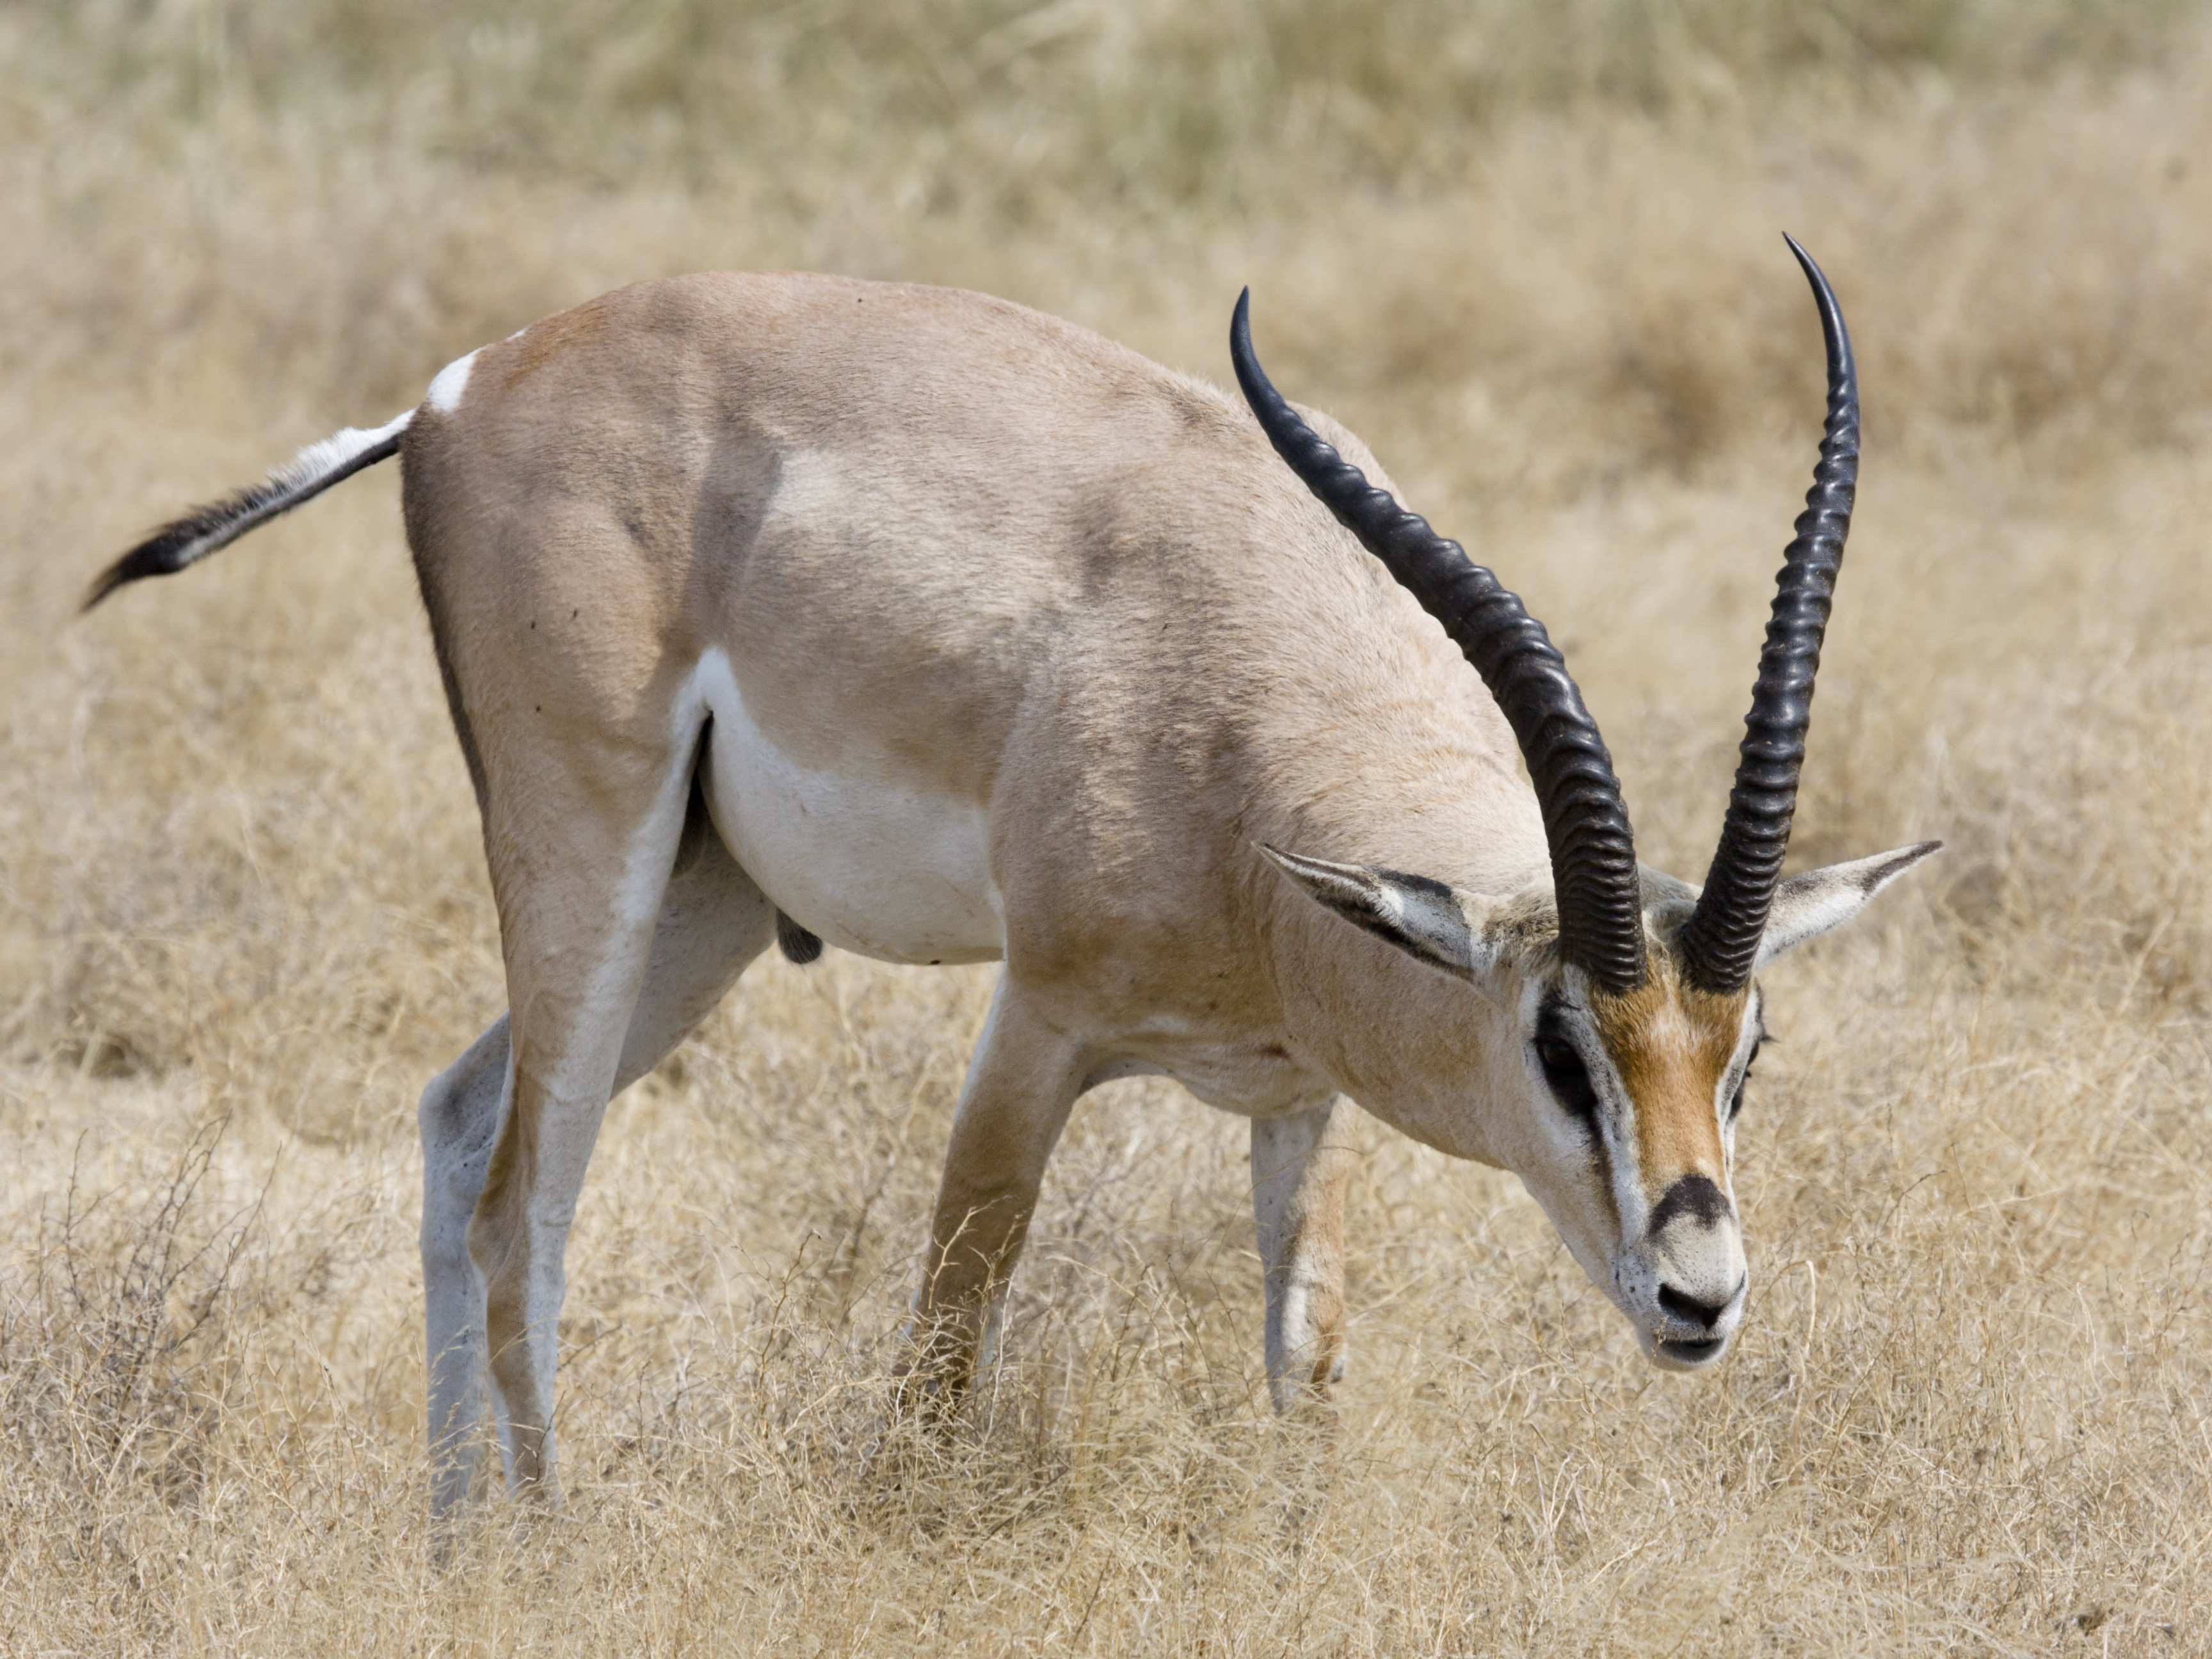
872,866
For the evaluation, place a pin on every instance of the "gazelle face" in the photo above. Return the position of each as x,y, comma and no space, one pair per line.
1635,1100
1621,1119
1641,1026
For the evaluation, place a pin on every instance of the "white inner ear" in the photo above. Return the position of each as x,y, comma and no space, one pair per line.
1806,906
1811,913
1462,934
1456,932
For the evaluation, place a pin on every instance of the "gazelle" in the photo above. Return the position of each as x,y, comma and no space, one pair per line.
947,632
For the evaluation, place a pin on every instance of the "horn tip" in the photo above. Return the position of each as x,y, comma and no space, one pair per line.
1837,336
1812,266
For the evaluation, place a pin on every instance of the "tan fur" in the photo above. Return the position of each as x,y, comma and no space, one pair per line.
966,549
1672,1044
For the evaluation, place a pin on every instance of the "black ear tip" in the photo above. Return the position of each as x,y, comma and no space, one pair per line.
1904,858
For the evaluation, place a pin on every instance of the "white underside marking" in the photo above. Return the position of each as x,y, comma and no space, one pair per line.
583,1076
873,867
445,393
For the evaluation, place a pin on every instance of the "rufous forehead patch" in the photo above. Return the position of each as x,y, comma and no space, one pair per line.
1671,1043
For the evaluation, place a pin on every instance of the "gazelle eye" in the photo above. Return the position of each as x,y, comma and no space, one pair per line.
1564,1074
1735,1101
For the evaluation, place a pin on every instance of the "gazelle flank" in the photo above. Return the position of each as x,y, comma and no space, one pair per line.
787,607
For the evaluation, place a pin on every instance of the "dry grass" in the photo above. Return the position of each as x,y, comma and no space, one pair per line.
1531,254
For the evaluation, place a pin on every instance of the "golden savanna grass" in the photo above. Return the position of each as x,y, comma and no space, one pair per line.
1531,252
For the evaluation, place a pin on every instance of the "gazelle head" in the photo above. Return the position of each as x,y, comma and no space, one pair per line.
1629,995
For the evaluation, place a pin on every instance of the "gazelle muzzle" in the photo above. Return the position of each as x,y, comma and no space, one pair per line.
1682,1281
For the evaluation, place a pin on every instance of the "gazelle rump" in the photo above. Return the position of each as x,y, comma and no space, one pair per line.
941,630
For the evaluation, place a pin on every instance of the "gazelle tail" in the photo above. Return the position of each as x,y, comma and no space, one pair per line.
188,540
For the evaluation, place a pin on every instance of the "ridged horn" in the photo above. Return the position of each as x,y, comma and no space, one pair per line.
1720,942
1585,821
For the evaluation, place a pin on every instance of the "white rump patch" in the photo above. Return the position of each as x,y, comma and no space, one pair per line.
445,393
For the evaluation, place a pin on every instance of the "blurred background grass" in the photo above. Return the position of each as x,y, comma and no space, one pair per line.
1531,253
1145,107
453,164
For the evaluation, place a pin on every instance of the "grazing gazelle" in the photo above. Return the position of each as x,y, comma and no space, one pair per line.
947,632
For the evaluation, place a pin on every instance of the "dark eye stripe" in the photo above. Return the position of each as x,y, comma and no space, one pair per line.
1564,1074
1735,1101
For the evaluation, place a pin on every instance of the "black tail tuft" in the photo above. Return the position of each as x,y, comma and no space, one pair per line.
175,546
201,532
797,944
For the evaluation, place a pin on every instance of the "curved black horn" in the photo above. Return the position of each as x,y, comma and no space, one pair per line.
1720,942
1585,822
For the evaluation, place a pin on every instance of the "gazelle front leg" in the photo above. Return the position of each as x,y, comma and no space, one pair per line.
1022,1080
1301,1164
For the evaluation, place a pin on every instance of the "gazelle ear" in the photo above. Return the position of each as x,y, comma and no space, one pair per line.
1807,906
1421,916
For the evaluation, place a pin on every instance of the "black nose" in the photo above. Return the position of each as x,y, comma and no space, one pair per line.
1684,1306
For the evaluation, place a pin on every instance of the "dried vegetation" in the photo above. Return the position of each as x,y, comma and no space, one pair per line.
1530,252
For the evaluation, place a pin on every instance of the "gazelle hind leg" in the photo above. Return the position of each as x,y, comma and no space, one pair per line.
459,1117
713,922
581,863
1301,1165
